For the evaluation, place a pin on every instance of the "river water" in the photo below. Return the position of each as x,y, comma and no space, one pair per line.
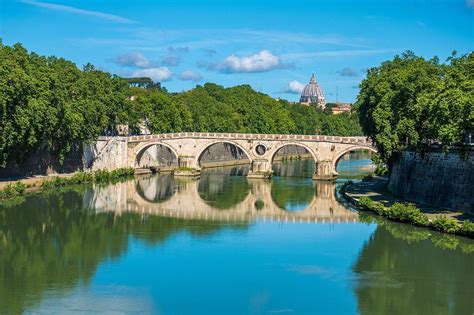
224,245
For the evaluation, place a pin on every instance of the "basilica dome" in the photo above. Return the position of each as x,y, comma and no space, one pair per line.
312,94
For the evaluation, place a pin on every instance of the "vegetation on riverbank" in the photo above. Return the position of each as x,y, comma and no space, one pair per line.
98,177
412,103
48,105
12,190
409,213
18,189
412,234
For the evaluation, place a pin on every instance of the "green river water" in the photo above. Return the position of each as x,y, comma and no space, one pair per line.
224,244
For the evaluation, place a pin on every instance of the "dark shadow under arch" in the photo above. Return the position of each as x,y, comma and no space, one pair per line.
293,152
219,152
157,155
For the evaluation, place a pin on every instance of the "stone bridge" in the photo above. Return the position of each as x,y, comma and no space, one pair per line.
260,149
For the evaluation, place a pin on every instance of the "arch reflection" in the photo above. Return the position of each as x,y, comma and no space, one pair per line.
156,188
213,198
223,188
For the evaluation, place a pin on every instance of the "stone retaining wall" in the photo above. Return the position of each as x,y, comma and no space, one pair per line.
437,179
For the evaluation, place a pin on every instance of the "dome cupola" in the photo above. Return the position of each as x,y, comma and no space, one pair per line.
312,94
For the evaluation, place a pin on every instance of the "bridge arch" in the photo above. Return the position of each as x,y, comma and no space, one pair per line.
272,156
210,144
141,149
344,151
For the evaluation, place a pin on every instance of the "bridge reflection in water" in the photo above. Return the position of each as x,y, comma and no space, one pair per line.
221,197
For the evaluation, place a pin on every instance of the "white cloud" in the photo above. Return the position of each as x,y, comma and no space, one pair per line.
259,62
74,10
156,74
133,59
189,75
295,87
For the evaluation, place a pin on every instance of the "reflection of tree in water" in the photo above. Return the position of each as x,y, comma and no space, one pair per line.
223,188
399,271
292,194
50,241
156,188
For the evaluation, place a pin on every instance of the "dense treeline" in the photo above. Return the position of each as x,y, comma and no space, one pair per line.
48,104
237,109
412,103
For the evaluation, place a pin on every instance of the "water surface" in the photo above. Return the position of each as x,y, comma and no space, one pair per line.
224,244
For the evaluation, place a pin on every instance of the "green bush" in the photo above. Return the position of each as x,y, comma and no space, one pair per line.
12,190
407,212
369,205
467,228
82,177
445,224
100,176
105,176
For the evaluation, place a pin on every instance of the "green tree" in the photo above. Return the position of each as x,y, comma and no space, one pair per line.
410,103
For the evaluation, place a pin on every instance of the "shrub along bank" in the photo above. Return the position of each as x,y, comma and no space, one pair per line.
98,177
12,190
409,213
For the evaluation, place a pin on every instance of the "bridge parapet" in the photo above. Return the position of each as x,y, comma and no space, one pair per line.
250,136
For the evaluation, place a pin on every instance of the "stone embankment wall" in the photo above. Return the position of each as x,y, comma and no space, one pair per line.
43,162
437,179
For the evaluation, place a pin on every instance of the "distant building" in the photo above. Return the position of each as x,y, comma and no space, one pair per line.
313,94
122,130
341,108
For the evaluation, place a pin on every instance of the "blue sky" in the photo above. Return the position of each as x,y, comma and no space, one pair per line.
272,45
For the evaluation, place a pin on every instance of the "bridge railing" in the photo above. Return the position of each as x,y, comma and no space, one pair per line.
251,136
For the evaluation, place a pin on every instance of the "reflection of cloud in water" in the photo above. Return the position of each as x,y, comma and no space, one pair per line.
105,299
312,270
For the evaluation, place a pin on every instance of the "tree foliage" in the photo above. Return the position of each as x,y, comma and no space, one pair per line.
410,102
49,105
213,108
48,102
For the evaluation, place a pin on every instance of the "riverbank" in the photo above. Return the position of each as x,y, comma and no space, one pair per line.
34,183
372,195
11,189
